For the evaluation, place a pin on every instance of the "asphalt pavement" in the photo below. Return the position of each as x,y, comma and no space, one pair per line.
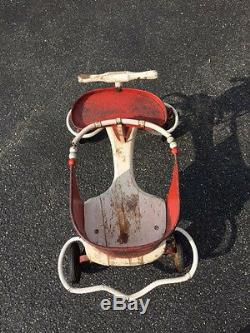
201,51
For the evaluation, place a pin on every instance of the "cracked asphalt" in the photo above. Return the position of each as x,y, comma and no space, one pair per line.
201,51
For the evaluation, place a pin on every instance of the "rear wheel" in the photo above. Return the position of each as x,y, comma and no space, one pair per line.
74,263
178,256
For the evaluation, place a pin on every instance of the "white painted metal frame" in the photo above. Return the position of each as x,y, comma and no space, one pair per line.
122,121
118,77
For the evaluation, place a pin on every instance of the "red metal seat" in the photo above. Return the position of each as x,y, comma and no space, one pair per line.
108,103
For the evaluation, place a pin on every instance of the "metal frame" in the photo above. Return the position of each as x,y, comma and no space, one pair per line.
117,293
95,253
98,130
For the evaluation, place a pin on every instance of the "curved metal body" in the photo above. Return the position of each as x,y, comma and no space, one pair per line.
124,226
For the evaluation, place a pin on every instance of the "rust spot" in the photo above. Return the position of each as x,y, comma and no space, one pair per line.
84,76
122,132
132,202
132,208
140,260
120,154
126,218
105,222
123,238
123,226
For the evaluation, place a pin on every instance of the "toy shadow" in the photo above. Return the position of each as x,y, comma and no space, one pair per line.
245,330
214,188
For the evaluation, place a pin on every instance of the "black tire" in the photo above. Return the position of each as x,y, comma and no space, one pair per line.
82,141
86,265
74,263
163,139
178,257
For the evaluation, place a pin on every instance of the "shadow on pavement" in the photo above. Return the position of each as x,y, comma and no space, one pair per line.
245,330
214,188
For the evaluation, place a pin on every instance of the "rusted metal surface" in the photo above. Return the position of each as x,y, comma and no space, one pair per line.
84,76
123,225
127,212
124,133
83,258
124,216
120,132
170,248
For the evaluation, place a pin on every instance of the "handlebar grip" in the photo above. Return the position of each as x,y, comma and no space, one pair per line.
113,77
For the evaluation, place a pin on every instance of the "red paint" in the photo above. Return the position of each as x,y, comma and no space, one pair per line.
71,162
173,200
174,151
108,103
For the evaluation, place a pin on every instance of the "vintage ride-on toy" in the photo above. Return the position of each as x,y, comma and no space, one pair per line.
124,226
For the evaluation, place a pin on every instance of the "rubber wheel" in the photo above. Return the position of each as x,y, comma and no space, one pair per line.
74,263
82,141
178,256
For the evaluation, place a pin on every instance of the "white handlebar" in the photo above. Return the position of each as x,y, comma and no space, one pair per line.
119,77
124,121
95,131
